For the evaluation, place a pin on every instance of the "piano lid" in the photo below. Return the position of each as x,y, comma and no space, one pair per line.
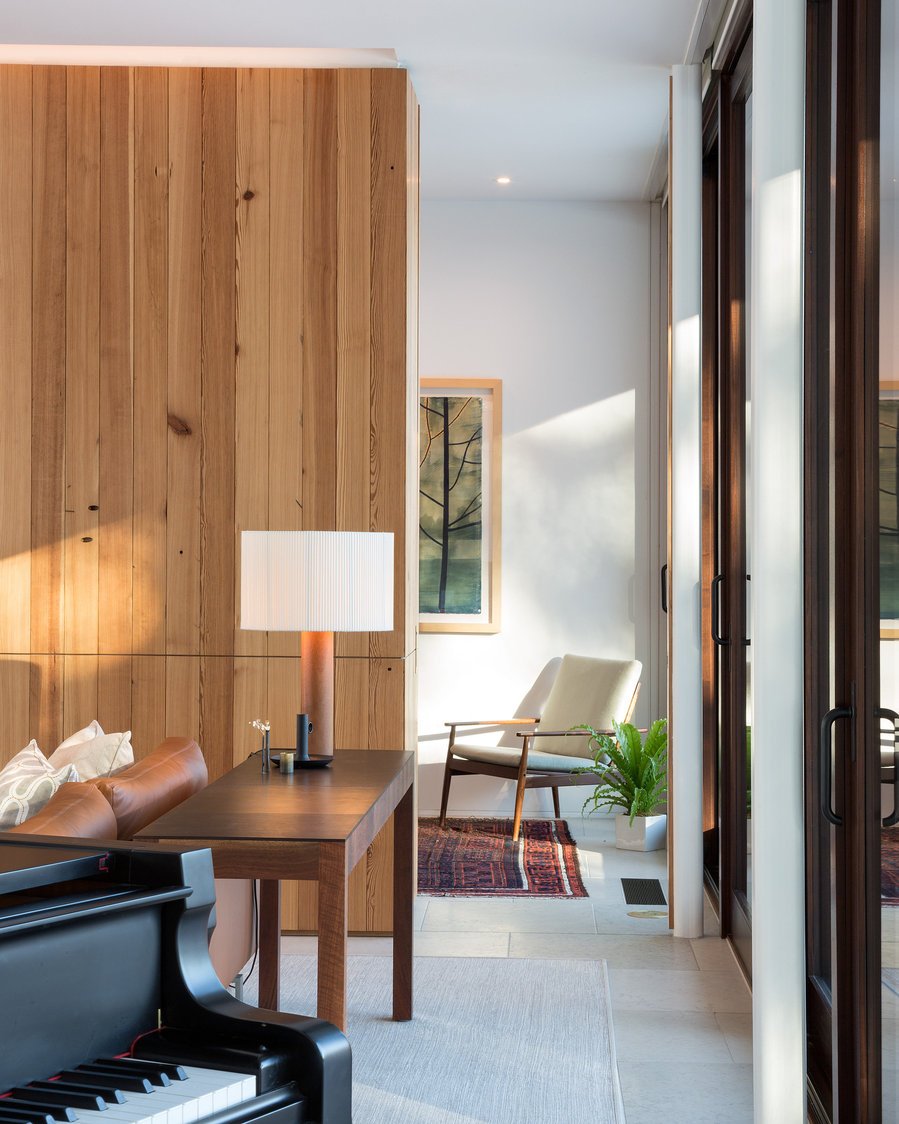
27,865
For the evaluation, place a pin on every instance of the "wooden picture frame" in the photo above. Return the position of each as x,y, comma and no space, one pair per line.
459,581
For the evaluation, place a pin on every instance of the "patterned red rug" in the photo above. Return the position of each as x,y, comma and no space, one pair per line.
477,858
889,866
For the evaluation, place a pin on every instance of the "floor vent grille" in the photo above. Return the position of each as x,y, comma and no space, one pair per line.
643,891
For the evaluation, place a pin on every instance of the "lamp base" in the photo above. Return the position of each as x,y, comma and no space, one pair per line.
313,761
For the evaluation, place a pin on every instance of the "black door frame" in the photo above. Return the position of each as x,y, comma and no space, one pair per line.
724,501
842,293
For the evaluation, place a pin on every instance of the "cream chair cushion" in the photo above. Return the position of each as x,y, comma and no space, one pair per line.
537,761
587,691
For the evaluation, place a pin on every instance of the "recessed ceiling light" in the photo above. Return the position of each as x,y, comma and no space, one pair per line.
503,180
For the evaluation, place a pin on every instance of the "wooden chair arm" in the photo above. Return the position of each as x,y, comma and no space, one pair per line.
496,722
562,733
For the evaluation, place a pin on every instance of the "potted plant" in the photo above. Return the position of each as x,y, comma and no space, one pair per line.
633,772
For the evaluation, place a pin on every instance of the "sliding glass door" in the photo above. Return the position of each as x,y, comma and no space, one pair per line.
727,226
852,562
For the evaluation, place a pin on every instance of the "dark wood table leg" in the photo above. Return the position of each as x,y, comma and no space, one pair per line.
269,943
404,886
332,923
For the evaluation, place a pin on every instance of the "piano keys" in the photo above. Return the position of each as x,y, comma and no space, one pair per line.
113,1013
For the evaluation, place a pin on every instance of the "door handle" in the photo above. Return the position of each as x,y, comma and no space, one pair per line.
893,818
747,641
716,611
825,764
664,579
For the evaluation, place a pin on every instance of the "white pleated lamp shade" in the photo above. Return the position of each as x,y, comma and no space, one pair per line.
316,581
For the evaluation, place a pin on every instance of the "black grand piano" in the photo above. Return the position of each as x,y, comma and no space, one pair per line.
111,1013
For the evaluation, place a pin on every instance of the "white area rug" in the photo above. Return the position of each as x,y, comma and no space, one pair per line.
493,1041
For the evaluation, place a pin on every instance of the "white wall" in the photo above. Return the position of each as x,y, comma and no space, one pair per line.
553,298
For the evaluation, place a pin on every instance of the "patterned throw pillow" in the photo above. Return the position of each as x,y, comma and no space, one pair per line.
27,783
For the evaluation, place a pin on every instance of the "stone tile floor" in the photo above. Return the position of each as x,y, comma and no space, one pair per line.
681,1008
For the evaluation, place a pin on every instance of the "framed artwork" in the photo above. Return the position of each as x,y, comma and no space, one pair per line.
888,452
460,426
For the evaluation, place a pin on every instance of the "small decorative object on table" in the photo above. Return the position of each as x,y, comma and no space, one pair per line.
265,728
633,775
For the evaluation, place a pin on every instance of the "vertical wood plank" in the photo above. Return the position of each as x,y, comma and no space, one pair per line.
46,704
252,368
351,703
216,712
388,334
182,624
285,446
217,367
15,358
250,701
283,700
15,729
114,693
410,562
182,696
147,703
353,314
81,563
48,392
80,692
386,700
320,301
151,163
116,434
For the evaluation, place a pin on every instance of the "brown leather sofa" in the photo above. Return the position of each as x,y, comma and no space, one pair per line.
118,807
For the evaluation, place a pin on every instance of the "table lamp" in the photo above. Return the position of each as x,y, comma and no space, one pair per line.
316,583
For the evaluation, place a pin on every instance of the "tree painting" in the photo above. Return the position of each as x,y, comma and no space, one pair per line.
450,529
889,509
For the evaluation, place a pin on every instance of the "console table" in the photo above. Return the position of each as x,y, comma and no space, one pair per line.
312,825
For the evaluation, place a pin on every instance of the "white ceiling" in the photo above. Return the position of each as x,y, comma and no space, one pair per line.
569,99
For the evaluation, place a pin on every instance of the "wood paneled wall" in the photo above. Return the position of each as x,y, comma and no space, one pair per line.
208,316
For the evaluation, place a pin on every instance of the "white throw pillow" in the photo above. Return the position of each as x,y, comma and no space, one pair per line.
27,783
94,730
100,757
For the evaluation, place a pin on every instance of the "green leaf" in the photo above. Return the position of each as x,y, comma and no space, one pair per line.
633,771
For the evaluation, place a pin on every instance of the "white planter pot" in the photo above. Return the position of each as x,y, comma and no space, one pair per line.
647,833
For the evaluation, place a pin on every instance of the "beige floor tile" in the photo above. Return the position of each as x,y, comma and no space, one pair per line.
696,1093
356,946
504,915
737,1029
299,946
662,952
889,923
419,909
461,944
605,891
637,920
889,954
889,1001
890,1049
670,1038
605,861
649,989
713,954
